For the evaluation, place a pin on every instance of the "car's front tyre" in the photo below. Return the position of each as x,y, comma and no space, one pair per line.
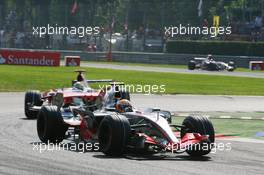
114,132
32,98
202,125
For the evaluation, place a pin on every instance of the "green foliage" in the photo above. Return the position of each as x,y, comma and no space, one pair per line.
233,127
216,47
152,14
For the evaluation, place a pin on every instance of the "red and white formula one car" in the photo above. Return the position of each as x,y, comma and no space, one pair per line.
79,94
124,128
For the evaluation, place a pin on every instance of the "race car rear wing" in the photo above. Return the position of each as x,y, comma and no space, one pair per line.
114,83
199,58
100,81
95,81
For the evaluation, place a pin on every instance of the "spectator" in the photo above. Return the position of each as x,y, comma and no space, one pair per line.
258,23
205,23
19,39
1,37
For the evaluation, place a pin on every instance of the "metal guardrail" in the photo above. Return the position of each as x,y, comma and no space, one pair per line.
143,57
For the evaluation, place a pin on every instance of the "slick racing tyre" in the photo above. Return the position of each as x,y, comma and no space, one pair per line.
232,66
50,125
231,70
203,126
191,65
114,132
32,98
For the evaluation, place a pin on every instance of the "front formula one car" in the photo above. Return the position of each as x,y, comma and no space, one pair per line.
210,65
122,130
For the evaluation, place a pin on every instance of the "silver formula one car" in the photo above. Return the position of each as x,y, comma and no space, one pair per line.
210,65
123,128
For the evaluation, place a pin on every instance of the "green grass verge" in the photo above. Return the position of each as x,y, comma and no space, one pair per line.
21,78
241,128
139,64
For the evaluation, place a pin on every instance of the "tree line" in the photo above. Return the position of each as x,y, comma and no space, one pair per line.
21,15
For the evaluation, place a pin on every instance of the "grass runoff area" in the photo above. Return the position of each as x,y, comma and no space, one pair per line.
22,78
233,127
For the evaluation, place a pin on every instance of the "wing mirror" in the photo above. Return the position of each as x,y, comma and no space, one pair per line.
155,109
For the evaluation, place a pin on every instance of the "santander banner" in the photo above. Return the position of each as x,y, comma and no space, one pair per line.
34,58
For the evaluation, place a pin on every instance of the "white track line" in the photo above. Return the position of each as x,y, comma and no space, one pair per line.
246,118
225,117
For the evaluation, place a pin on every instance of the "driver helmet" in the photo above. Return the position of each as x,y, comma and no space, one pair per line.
124,106
210,57
79,85
80,77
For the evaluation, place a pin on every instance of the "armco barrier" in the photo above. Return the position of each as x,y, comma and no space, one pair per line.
154,58
159,58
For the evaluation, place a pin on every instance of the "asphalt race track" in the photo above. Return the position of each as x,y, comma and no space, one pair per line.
172,70
202,103
18,156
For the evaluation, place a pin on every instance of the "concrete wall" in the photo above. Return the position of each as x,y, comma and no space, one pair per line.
154,58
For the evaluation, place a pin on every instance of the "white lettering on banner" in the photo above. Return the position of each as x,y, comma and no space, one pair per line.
31,61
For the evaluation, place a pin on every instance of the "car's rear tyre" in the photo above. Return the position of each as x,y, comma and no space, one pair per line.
203,126
32,98
114,133
50,125
191,65
231,70
232,63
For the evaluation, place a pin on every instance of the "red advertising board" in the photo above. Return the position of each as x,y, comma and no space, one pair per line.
72,60
256,65
34,58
